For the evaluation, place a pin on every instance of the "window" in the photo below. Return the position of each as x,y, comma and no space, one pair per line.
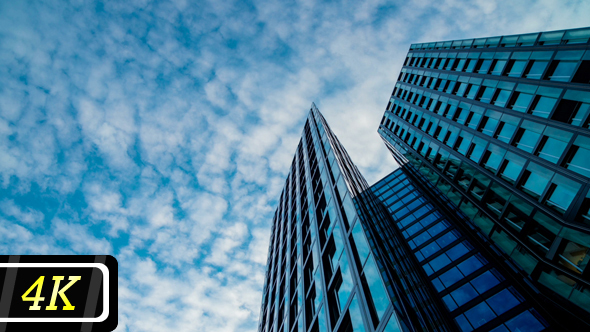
471,91
573,108
561,193
520,101
511,167
543,232
535,180
483,66
506,128
560,70
515,68
486,94
501,97
496,198
493,157
573,252
498,67
542,106
489,122
528,135
553,144
578,156
583,73
535,69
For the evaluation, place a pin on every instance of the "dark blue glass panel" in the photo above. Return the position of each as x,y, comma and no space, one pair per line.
457,251
464,294
450,277
440,262
484,282
469,265
450,303
438,285
463,323
525,322
500,328
447,239
430,250
479,315
502,302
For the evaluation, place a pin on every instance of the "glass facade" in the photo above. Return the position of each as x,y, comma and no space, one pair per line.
321,273
499,128
486,224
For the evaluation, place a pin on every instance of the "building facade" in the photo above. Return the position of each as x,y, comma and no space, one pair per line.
485,226
497,128
321,273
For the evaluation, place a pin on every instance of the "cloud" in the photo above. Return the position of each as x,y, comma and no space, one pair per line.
162,131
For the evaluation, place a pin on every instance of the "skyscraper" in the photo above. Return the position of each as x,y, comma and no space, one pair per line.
485,226
496,129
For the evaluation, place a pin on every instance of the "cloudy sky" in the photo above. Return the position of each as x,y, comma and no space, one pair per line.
161,132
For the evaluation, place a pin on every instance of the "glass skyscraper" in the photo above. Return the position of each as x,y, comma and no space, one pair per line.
486,224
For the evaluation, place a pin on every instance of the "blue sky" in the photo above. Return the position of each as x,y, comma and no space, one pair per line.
162,132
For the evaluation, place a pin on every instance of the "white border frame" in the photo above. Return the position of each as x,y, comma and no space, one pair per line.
105,293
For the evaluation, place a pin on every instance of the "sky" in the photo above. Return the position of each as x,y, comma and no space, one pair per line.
161,132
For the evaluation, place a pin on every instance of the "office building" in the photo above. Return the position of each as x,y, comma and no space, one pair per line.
496,131
485,226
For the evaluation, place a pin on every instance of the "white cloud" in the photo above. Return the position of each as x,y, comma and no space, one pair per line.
162,132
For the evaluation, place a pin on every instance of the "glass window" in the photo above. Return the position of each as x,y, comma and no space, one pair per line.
542,106
521,101
528,135
362,247
503,301
493,157
578,156
486,94
501,97
525,322
464,294
535,180
543,232
479,315
471,264
489,123
573,111
553,143
561,193
573,252
504,240
535,69
515,68
498,67
485,281
356,318
511,167
483,66
374,290
506,128
344,284
561,70
393,324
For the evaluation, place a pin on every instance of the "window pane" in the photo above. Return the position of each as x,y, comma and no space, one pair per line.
536,69
464,294
562,193
356,318
480,314
522,102
502,302
535,180
516,68
542,106
563,71
525,322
